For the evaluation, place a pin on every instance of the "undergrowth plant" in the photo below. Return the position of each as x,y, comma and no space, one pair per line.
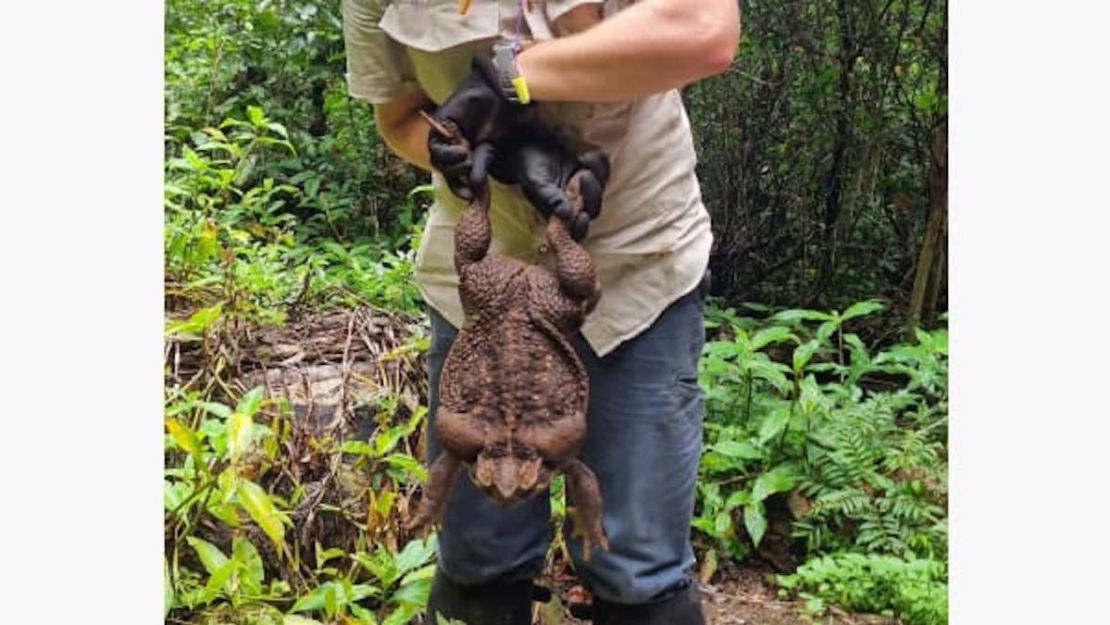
232,547
847,444
915,590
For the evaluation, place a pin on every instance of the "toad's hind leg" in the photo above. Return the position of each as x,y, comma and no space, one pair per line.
584,490
461,433
441,478
573,265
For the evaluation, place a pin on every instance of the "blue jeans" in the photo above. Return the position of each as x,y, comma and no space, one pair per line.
644,433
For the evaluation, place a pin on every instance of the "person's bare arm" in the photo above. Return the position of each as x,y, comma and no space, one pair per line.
403,129
651,46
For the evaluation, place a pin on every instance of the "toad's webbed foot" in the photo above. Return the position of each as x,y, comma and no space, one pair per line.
582,484
441,478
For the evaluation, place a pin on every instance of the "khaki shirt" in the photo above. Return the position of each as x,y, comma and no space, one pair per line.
650,245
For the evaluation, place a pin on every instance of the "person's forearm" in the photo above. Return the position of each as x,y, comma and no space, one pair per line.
404,130
651,46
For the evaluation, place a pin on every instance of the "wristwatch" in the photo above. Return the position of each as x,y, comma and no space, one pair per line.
513,85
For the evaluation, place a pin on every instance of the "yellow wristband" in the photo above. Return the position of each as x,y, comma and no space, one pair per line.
521,88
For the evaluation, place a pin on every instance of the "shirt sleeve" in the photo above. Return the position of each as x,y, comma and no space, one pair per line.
378,69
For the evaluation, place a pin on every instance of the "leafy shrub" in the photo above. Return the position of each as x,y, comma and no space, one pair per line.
797,406
227,480
915,590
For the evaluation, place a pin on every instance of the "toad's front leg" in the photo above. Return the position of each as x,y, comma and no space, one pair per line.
473,232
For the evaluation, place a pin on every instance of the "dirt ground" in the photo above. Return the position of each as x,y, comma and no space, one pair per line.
743,598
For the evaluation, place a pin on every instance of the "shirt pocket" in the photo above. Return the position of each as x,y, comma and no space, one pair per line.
434,26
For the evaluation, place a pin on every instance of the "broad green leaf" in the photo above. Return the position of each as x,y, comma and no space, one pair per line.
323,555
361,448
194,160
790,316
173,493
936,342
210,555
278,128
803,353
387,440
703,525
741,340
381,565
251,401
778,480
425,572
402,615
216,134
860,309
774,334
722,525
408,464
755,522
247,555
773,424
261,508
220,410
317,598
736,499
827,329
196,324
415,593
239,430
416,553
364,616
335,248
859,350
219,579
227,514
773,372
737,449
185,438
293,619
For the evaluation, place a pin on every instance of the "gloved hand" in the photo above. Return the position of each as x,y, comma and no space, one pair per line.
542,167
481,113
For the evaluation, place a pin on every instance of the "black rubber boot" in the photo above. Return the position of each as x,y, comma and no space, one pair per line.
495,603
681,608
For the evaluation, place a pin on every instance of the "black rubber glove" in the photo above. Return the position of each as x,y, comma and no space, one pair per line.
542,167
481,113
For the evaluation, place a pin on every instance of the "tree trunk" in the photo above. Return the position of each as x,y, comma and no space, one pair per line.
928,267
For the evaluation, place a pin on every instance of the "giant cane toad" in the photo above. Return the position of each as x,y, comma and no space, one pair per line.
513,392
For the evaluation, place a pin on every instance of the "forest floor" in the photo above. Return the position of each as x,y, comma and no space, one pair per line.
740,597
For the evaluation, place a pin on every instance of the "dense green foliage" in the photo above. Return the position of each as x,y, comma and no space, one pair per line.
825,434
845,445
864,462
913,590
